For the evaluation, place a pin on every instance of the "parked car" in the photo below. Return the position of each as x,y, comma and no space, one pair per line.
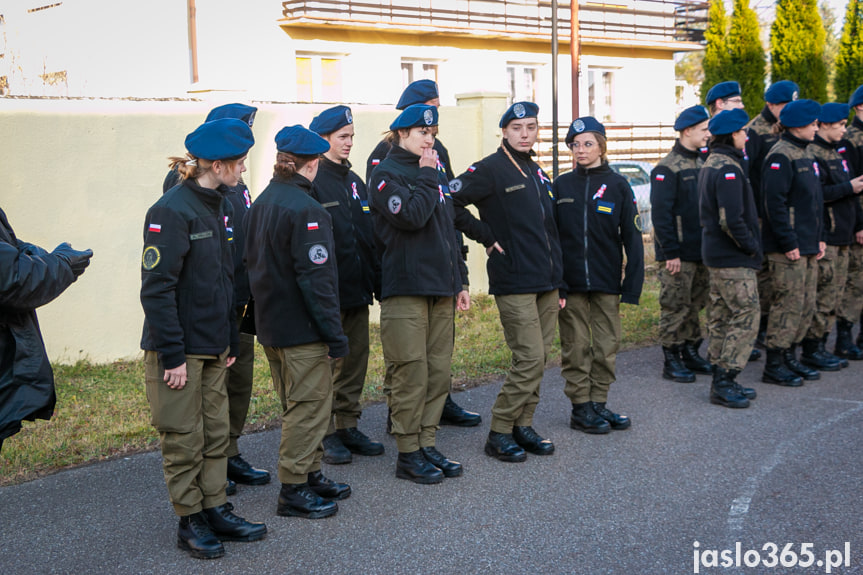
638,175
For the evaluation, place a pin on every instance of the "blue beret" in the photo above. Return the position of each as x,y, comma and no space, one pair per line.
728,122
856,97
236,111
331,120
220,139
416,115
723,90
834,112
582,125
518,111
418,92
799,113
690,117
300,141
781,92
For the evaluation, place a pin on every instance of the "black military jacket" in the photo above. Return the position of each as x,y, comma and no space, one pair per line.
760,138
730,234
382,149
187,275
840,202
343,194
674,205
793,201
516,209
596,220
855,137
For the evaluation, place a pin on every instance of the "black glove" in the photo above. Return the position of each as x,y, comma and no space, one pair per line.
78,260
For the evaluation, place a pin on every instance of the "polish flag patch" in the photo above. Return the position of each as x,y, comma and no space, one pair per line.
312,226
382,185
730,176
660,177
471,169
155,228
375,161
841,150
775,166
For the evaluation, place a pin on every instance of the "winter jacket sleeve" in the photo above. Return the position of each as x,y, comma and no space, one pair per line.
730,199
633,244
472,187
402,207
776,178
663,196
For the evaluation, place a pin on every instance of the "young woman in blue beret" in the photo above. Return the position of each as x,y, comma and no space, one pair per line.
190,334
422,274
597,220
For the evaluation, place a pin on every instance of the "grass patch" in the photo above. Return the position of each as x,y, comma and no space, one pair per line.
102,410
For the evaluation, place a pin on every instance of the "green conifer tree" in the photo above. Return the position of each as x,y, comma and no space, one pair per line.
849,60
716,61
748,59
797,42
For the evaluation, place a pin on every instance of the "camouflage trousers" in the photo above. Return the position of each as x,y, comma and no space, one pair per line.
733,316
832,276
682,296
792,304
765,287
852,299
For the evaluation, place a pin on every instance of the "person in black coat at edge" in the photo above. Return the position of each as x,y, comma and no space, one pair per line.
240,380
343,194
426,92
597,219
516,226
30,277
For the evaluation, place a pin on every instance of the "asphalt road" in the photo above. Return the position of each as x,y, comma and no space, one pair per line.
686,482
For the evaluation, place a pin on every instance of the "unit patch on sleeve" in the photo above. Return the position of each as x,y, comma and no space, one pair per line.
394,204
151,257
318,254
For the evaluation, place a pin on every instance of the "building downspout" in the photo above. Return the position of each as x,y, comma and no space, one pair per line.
193,41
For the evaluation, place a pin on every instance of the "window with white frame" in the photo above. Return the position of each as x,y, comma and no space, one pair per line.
319,77
417,69
521,81
600,93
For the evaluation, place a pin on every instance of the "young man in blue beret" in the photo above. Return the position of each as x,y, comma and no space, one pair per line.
190,341
683,277
343,194
841,203
724,96
852,301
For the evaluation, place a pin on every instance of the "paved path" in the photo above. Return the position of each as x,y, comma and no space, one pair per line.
787,470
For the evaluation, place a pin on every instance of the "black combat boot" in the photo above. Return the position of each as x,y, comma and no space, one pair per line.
327,488
692,360
723,391
195,537
615,420
357,442
229,527
502,446
230,488
792,363
761,338
845,347
673,367
816,358
449,467
746,392
413,466
585,419
298,500
531,441
775,370
335,453
822,347
454,414
240,471
754,355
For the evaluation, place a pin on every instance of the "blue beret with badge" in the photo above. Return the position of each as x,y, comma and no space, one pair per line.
799,113
418,92
856,97
416,115
299,141
781,92
582,125
236,111
834,112
222,139
728,122
723,90
690,117
518,111
331,119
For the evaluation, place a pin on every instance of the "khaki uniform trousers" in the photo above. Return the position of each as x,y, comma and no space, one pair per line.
193,429
349,373
589,340
303,382
417,339
832,277
852,298
682,296
528,322
733,317
793,299
240,387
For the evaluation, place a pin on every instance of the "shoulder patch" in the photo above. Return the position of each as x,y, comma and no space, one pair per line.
151,257
455,186
659,177
318,254
394,203
730,176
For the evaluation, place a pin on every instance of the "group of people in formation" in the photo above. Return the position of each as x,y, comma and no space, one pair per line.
299,267
764,228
